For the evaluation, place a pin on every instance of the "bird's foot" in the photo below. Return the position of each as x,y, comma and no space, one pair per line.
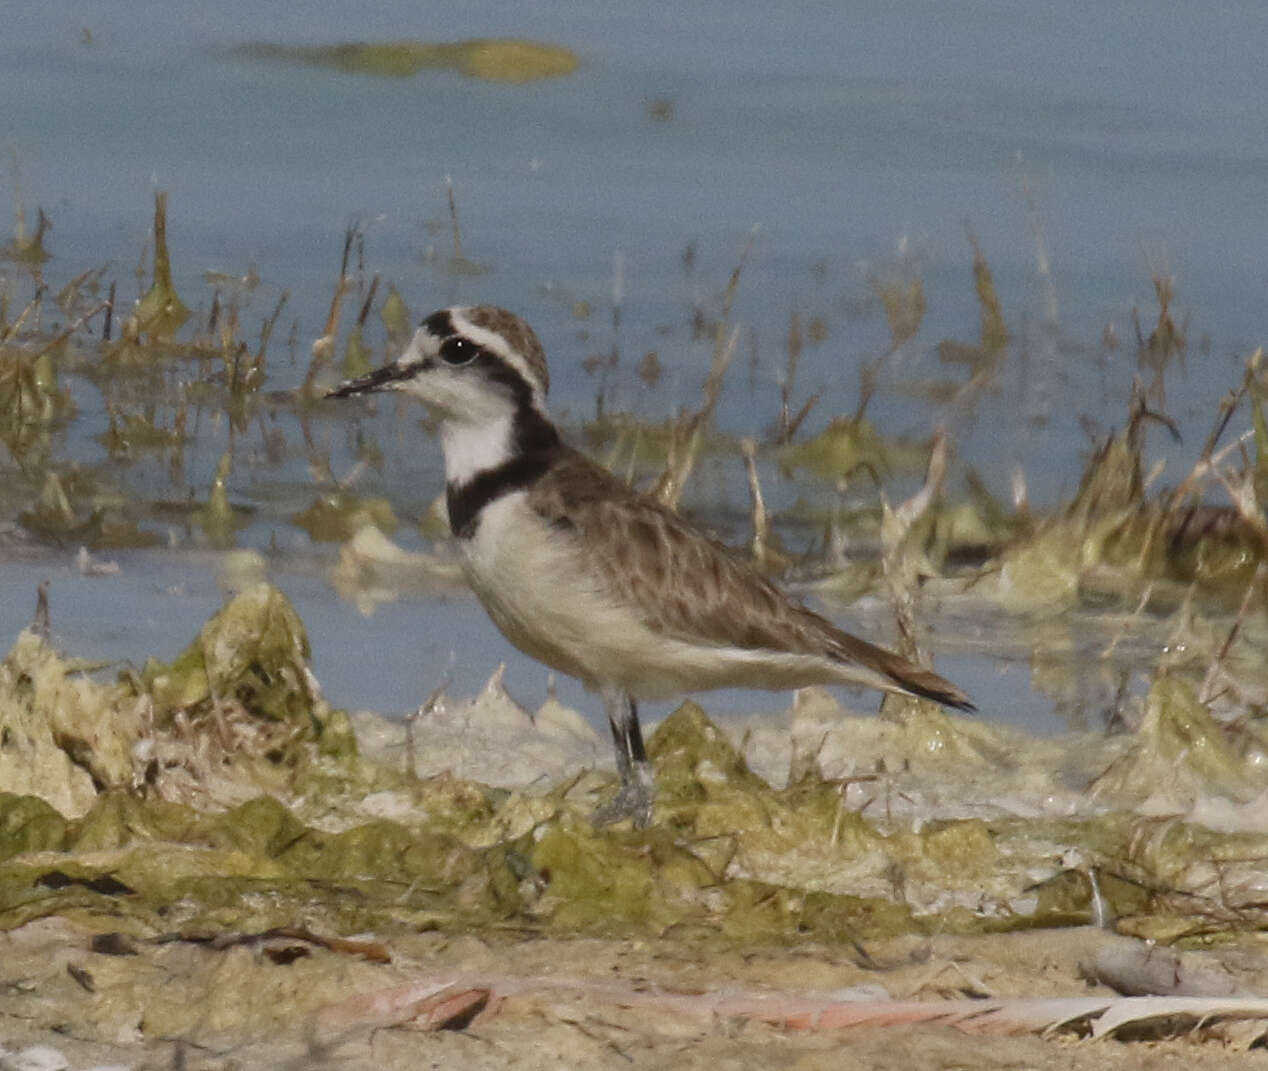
633,799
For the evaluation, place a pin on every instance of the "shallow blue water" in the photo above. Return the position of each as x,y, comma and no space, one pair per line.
1133,138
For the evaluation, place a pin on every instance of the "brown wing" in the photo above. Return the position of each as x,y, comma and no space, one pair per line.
690,586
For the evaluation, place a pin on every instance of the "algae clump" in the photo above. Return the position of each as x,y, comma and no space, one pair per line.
65,736
252,656
238,711
1178,754
183,840
490,58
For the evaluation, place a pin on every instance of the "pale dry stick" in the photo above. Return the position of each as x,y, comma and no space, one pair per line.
1102,912
1151,477
1145,596
16,326
687,432
1242,492
1207,465
1208,458
68,331
1207,693
689,429
631,464
432,1003
798,418
1043,265
1020,492
323,348
898,565
761,520
1240,487
453,220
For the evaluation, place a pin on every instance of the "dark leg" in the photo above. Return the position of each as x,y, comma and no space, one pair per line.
633,799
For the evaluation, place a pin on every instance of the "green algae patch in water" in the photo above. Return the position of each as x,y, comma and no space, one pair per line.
397,319
845,446
78,510
32,404
161,312
612,882
337,516
489,58
1181,749
1110,541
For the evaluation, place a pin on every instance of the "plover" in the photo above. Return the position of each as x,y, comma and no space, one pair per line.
593,578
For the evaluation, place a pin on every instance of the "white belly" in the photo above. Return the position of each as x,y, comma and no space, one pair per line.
538,590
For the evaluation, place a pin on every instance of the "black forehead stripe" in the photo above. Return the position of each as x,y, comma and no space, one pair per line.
439,323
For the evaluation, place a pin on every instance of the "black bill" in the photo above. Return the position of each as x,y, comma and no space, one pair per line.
379,379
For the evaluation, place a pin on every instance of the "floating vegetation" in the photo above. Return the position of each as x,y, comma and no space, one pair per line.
32,402
396,318
490,58
218,518
26,247
337,517
73,508
1112,540
983,358
160,313
846,447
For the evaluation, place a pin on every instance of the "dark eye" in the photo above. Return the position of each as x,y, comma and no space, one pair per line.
456,351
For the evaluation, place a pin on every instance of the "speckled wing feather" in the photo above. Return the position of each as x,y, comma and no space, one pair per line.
691,587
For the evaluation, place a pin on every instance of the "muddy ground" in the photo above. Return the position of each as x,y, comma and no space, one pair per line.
93,1007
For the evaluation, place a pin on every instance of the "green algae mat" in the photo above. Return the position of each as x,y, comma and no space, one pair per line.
221,794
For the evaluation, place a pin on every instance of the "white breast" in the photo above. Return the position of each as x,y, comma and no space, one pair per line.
530,579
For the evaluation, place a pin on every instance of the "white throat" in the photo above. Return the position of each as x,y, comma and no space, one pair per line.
471,449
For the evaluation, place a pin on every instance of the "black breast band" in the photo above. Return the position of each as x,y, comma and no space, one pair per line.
466,500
